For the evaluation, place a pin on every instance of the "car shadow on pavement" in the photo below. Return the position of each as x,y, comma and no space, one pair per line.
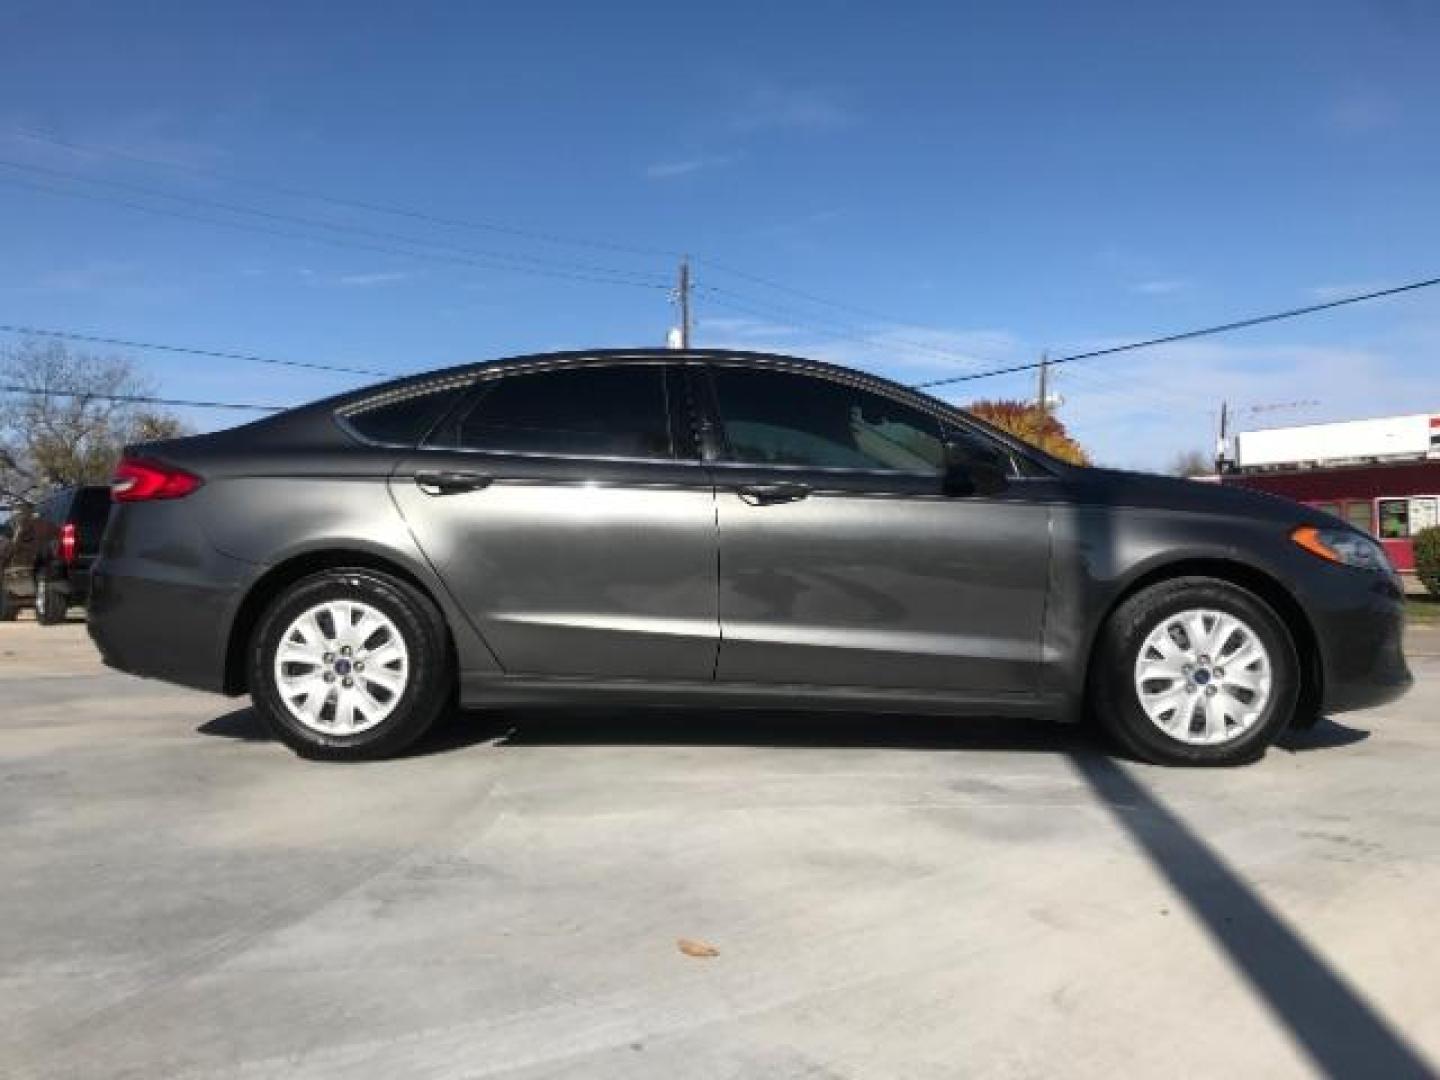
793,728
1329,1019
712,727
1326,735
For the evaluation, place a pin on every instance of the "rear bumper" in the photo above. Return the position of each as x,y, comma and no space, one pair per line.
1359,626
161,630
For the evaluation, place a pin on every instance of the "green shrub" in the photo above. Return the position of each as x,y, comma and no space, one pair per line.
1427,558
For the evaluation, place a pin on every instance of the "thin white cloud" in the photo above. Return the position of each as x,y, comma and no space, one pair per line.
1160,287
151,134
367,280
1362,111
901,352
772,108
1140,411
671,170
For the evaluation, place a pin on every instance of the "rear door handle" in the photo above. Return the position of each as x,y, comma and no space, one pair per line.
452,483
772,494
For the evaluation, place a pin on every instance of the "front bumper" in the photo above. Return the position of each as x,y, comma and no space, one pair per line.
1359,623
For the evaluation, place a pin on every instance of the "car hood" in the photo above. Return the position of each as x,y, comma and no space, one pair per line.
1116,487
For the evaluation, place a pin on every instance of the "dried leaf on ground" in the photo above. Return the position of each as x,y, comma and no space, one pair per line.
697,948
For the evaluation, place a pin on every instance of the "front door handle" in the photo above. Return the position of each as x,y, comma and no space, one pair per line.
452,483
772,494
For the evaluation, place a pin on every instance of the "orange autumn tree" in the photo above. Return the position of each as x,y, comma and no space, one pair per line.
1026,420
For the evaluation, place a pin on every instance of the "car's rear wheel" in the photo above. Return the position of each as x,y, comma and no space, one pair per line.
51,603
350,664
1196,671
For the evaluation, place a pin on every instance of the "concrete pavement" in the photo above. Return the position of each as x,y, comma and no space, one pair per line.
179,896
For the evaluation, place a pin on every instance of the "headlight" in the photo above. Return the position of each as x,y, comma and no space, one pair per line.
1344,546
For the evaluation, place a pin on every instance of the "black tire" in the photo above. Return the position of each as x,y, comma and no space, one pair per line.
9,607
426,694
52,603
1116,700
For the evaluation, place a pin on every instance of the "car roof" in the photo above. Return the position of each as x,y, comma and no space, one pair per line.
610,356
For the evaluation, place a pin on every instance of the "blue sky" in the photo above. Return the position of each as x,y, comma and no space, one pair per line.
980,181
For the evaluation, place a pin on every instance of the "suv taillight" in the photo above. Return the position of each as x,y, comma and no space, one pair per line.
140,480
67,543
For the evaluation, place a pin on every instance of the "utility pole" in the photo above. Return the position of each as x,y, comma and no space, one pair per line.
682,297
1044,387
1221,446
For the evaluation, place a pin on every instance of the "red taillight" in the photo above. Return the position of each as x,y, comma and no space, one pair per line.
67,542
139,480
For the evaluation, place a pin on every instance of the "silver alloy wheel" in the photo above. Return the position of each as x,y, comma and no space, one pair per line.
1203,677
341,667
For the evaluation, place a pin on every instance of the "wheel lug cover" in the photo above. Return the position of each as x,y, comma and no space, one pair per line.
349,681
329,676
1209,690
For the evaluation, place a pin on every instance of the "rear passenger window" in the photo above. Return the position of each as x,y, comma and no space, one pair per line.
617,411
404,417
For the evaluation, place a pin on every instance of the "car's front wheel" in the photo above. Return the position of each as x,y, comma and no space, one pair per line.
350,664
1196,671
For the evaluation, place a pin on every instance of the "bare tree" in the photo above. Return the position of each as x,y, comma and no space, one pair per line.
1191,463
62,425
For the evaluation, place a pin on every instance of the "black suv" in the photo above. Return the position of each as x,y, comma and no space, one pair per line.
48,557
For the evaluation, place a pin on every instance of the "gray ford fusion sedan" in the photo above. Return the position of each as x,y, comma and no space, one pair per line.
721,528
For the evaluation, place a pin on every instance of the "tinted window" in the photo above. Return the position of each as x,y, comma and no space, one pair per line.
591,411
405,418
778,418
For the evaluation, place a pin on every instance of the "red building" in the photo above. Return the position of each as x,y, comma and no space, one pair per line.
1382,476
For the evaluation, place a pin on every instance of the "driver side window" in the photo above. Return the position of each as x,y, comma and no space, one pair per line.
784,418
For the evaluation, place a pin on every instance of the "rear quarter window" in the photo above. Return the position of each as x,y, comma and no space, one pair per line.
404,417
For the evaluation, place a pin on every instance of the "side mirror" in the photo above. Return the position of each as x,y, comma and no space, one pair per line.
973,467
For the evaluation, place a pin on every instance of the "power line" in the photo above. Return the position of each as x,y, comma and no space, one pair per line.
141,399
807,321
353,204
491,226
1186,335
746,306
770,283
430,256
318,223
96,339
